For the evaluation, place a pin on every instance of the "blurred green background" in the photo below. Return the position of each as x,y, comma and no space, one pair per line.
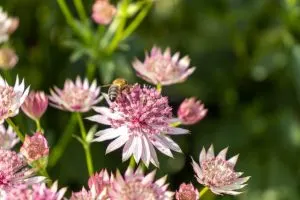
247,55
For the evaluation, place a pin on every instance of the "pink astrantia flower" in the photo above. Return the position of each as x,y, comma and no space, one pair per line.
76,96
35,105
35,147
87,194
103,12
187,192
8,138
139,119
137,186
98,185
217,173
35,192
7,25
191,111
162,68
100,181
8,58
13,171
11,98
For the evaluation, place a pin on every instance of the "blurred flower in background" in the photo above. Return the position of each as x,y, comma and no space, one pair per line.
76,96
8,58
11,174
187,192
139,119
162,68
103,12
8,25
191,111
8,138
35,147
11,98
217,173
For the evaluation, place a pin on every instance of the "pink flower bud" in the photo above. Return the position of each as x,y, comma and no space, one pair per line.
103,12
35,147
191,111
187,192
35,105
8,58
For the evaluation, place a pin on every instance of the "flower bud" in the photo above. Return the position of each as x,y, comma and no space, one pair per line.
35,147
8,58
35,105
191,111
103,12
187,192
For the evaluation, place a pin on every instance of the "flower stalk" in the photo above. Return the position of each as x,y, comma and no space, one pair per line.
63,142
203,191
86,145
15,128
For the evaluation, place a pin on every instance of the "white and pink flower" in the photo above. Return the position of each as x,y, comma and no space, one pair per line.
140,120
35,105
136,185
162,68
103,12
218,174
11,98
76,96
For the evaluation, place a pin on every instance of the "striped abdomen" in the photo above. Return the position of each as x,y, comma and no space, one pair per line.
113,92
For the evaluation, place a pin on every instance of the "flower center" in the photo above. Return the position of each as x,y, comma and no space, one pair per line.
142,111
217,172
76,97
7,96
3,179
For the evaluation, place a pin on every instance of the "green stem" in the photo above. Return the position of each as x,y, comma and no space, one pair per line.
65,10
15,128
90,70
175,124
132,162
80,10
137,21
86,145
122,15
203,191
38,125
63,142
159,87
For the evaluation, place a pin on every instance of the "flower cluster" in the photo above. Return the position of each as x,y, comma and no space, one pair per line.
139,119
134,185
34,192
14,171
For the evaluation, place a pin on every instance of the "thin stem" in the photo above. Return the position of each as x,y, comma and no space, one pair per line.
159,87
80,10
90,70
137,21
63,142
15,128
203,191
132,162
65,10
175,124
86,145
119,33
38,125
